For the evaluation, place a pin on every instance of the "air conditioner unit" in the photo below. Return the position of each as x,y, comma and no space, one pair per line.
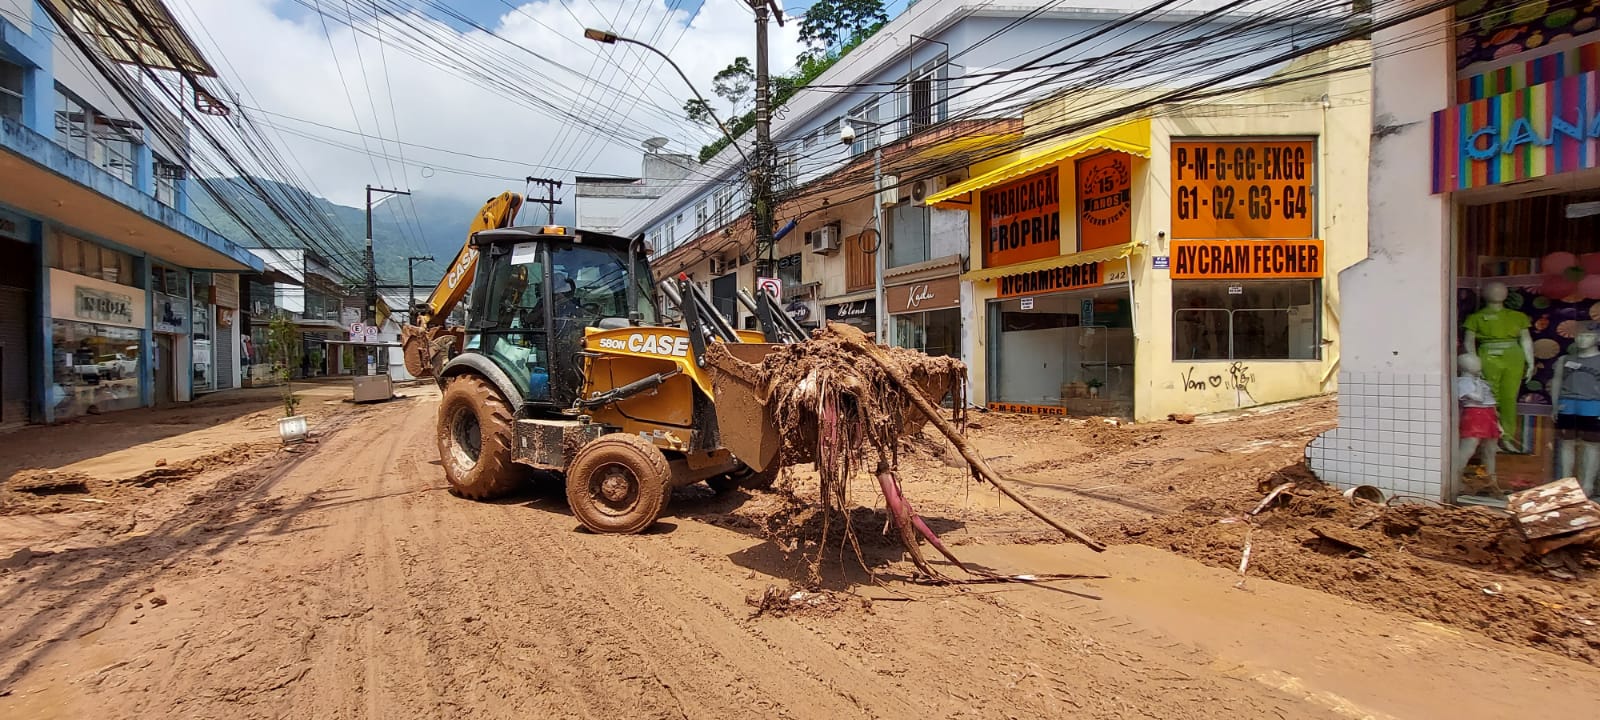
824,240
889,190
921,189
720,265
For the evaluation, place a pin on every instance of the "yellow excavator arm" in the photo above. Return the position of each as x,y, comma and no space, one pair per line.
497,213
423,339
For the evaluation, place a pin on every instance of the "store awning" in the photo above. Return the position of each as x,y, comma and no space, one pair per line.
1115,252
1132,138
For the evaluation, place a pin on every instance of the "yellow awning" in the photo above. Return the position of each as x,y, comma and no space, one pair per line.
1115,252
1132,138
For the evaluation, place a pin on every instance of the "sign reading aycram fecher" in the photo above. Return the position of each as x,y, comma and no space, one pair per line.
1257,189
1246,259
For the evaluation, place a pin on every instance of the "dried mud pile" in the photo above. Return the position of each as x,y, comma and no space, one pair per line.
1462,566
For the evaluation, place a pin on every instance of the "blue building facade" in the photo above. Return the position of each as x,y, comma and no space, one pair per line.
111,296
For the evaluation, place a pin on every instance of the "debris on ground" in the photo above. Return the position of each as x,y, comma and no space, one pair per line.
1470,567
1556,515
777,602
49,482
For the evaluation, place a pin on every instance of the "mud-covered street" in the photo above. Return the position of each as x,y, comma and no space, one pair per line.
340,579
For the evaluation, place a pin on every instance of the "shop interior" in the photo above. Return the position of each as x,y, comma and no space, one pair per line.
1526,366
1074,350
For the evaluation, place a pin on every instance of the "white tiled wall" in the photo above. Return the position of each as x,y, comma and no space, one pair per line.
1390,435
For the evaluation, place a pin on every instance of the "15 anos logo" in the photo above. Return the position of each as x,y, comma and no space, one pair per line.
676,346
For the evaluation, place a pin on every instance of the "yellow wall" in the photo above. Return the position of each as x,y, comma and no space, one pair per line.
1335,111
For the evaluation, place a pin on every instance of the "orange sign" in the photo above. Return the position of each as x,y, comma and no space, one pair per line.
1024,409
1258,189
1246,259
1105,201
1071,277
1022,220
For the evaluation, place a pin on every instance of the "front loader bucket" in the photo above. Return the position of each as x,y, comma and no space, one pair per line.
744,419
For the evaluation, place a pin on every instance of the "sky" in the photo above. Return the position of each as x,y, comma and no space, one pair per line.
555,105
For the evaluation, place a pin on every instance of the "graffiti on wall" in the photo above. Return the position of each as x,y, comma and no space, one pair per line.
1237,378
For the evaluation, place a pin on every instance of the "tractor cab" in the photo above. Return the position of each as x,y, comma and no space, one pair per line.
537,289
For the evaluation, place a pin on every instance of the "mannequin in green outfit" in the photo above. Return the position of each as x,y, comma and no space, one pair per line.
1500,338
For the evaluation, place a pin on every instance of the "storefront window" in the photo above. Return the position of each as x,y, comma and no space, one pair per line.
96,368
1073,351
936,332
1245,320
1527,320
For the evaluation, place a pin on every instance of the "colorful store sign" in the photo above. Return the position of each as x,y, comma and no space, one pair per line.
1533,132
1059,279
1022,220
1105,201
918,297
1246,259
1257,189
1536,71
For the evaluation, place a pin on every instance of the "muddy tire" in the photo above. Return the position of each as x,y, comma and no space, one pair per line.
475,442
745,478
618,484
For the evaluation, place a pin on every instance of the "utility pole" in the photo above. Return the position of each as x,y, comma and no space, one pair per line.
411,283
761,200
372,270
549,202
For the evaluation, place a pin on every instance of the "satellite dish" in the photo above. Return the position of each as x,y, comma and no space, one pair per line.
655,143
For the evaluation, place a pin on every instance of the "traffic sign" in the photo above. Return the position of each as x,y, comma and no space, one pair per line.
771,286
357,329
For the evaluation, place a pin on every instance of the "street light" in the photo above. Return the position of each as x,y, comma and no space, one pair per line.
606,37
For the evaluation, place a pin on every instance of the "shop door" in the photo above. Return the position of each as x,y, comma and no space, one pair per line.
14,354
17,267
163,371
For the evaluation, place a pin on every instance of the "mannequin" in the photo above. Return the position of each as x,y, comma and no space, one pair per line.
1499,337
1575,393
1480,423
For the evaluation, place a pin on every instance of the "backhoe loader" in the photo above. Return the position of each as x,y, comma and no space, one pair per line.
564,369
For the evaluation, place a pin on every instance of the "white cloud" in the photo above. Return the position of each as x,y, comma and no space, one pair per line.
286,66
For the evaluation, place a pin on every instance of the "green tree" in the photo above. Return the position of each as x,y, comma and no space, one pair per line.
698,111
829,24
734,83
281,346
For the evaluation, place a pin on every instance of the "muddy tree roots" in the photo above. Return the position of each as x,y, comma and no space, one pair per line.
844,403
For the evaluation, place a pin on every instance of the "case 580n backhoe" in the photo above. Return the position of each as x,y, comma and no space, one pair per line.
563,367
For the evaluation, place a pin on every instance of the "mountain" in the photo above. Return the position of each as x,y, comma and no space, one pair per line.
437,228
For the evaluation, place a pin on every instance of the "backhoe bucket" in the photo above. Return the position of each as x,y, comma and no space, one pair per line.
744,419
